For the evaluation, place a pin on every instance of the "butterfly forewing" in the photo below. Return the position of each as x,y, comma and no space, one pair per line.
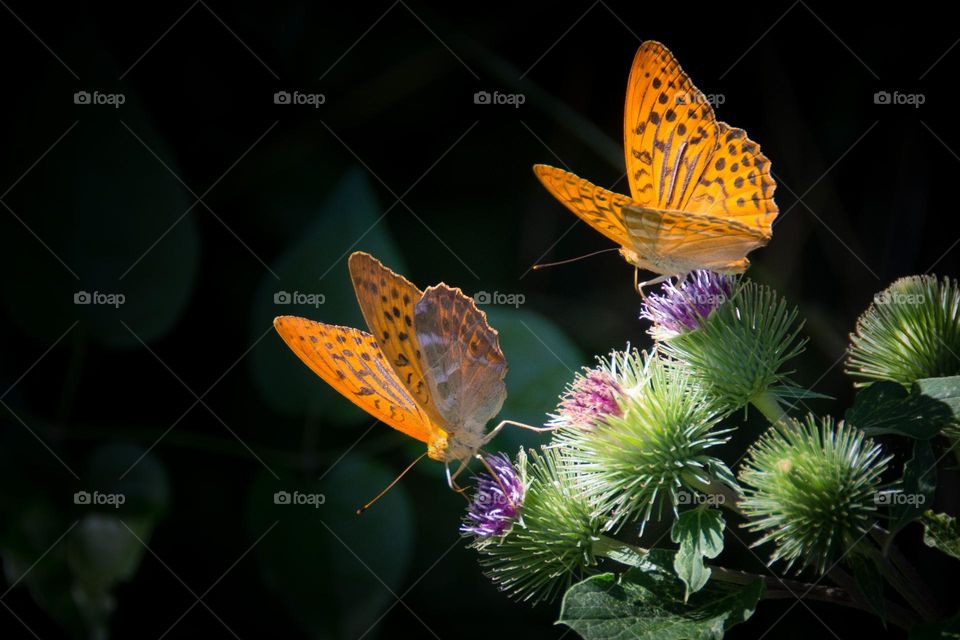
387,301
462,352
350,361
596,206
669,130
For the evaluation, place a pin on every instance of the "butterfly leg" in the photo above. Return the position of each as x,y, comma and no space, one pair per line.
640,285
452,478
493,432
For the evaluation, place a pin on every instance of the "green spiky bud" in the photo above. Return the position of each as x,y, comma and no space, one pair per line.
738,351
551,541
910,331
810,489
653,450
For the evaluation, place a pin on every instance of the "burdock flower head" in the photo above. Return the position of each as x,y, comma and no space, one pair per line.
810,489
684,306
547,537
656,449
910,331
496,499
596,393
740,342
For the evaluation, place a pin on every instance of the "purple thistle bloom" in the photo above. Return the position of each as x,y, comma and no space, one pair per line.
492,510
589,398
682,307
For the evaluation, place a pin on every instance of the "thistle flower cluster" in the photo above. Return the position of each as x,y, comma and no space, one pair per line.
638,437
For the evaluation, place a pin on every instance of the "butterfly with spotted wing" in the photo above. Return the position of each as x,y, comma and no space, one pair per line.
431,366
701,190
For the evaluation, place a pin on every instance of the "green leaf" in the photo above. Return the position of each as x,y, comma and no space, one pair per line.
941,532
649,605
870,582
888,408
699,533
316,265
946,390
918,487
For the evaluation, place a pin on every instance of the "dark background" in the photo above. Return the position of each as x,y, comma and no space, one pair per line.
188,368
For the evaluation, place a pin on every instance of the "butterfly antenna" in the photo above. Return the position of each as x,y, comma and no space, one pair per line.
537,267
390,486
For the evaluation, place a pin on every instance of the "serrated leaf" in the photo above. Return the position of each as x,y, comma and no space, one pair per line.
941,532
649,605
888,408
919,484
699,533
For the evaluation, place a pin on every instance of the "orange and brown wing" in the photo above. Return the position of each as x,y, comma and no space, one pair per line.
737,183
387,301
462,351
350,361
598,207
669,130
677,241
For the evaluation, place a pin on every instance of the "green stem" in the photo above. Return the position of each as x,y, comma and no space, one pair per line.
769,405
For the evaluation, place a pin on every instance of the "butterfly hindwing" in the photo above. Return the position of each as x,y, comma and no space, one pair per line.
678,242
350,361
462,352
387,301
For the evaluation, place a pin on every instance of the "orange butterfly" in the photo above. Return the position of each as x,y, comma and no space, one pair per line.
702,193
431,366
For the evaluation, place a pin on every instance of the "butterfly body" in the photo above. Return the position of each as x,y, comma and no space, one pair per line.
431,367
701,191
